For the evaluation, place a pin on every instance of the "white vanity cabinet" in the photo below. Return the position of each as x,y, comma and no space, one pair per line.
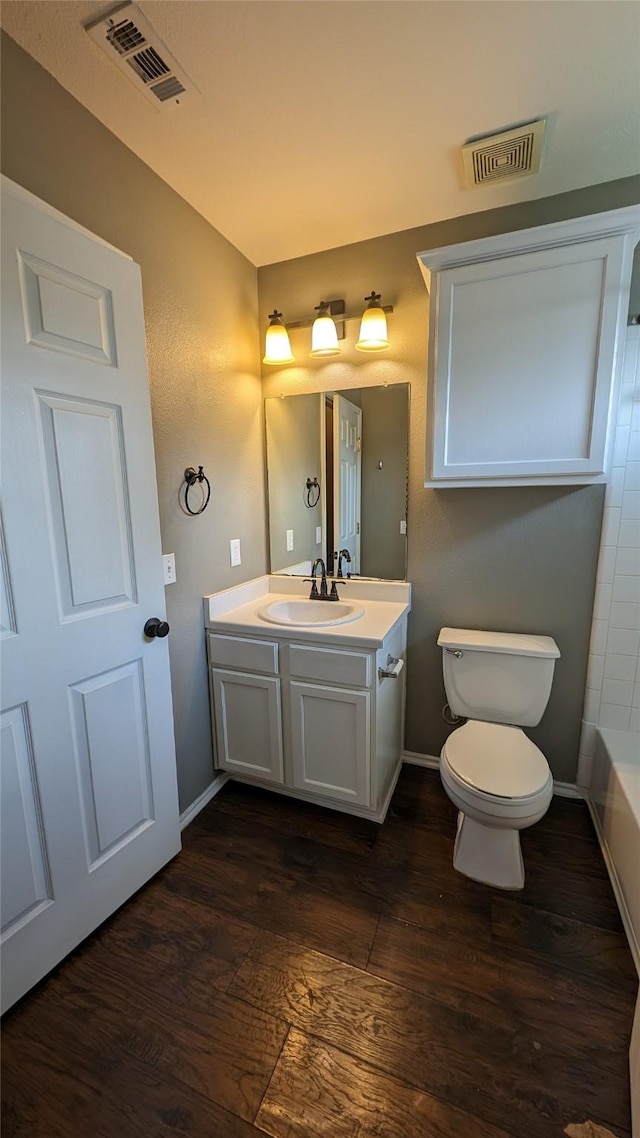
525,345
314,719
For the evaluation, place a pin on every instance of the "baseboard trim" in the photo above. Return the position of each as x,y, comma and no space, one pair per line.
431,762
414,759
568,790
201,801
634,944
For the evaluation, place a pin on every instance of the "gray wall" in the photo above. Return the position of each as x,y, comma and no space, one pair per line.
385,438
506,558
200,297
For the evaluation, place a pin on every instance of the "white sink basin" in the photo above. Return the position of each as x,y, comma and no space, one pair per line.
310,614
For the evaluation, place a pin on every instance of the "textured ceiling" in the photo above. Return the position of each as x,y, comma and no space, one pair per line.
322,122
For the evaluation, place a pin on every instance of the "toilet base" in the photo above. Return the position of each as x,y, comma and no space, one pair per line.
488,854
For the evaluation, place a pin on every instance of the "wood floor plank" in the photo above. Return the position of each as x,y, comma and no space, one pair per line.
217,1045
441,904
319,1091
457,1057
578,858
585,1020
83,1085
571,817
182,938
284,883
286,815
561,942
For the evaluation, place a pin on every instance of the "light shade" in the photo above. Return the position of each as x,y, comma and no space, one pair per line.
277,349
373,326
324,334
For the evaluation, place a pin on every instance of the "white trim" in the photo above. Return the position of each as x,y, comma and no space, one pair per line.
7,186
634,944
591,226
389,794
201,801
568,790
414,759
431,762
322,800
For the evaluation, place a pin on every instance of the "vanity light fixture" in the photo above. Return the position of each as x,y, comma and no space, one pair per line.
324,334
327,328
373,326
277,349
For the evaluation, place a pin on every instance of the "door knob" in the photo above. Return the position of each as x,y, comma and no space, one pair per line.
156,627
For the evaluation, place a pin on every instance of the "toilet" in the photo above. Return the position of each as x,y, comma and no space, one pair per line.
499,780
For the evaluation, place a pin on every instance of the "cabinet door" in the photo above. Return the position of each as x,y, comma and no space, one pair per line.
330,737
524,356
522,368
247,724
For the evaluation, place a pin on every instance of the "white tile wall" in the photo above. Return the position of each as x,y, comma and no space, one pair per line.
612,697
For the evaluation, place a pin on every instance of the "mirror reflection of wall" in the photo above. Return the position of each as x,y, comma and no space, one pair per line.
355,443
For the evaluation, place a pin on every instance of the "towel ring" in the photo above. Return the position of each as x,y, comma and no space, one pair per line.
191,476
312,500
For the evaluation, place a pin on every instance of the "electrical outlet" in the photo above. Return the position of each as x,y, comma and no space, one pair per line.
318,535
169,568
234,552
403,526
289,540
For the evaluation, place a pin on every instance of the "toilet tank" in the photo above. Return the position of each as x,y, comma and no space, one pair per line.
500,677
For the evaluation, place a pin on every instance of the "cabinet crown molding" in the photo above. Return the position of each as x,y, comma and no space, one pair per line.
610,223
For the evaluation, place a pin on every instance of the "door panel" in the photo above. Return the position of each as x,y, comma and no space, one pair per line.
23,843
112,747
86,477
88,772
66,313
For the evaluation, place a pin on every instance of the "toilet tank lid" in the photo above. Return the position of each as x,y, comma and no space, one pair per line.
512,643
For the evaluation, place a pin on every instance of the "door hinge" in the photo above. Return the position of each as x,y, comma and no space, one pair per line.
358,445
357,527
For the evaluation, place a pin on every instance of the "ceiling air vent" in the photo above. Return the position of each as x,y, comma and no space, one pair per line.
132,44
502,157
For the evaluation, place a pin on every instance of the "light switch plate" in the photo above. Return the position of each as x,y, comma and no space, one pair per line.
289,540
403,526
169,568
318,535
234,552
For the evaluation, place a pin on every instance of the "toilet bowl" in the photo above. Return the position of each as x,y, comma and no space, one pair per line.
498,779
501,783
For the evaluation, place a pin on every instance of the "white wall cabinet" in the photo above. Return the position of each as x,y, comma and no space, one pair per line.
317,721
526,336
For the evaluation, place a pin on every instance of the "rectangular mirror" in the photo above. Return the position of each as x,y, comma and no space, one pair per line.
337,470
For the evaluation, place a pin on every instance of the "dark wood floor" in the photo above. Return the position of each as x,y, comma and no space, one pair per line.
301,973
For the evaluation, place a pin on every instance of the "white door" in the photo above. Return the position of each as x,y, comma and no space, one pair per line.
89,797
347,442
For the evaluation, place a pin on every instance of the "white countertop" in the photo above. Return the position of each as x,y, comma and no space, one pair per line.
236,610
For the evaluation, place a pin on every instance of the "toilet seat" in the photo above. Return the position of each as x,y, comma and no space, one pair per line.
496,762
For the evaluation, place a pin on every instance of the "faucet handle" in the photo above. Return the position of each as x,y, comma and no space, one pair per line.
314,587
333,596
